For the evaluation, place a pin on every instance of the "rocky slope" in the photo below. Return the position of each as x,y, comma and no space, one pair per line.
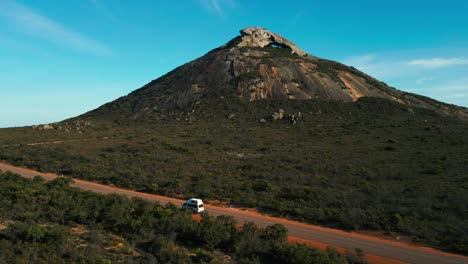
259,65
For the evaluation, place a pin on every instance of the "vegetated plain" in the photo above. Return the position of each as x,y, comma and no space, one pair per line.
51,222
368,165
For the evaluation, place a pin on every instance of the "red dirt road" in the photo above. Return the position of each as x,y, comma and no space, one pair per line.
377,250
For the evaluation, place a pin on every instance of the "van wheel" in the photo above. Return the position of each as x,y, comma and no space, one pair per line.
194,211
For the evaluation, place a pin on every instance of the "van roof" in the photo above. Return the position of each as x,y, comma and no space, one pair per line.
195,200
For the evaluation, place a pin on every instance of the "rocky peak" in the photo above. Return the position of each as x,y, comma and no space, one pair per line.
258,65
260,37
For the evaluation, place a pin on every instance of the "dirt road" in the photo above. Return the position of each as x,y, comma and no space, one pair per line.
378,250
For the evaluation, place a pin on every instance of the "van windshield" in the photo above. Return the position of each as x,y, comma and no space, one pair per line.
201,205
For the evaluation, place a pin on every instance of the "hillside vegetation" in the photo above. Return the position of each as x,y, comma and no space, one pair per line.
368,165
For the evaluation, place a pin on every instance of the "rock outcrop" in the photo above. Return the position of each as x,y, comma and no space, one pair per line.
260,37
65,126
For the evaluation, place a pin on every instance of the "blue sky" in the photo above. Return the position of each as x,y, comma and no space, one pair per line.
59,59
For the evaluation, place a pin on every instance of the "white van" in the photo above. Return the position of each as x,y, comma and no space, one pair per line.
194,205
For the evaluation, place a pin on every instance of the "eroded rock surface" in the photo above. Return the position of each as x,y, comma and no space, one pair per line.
260,37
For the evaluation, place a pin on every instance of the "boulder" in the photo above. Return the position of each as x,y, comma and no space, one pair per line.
278,115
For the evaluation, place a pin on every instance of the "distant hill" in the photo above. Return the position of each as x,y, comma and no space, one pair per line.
260,65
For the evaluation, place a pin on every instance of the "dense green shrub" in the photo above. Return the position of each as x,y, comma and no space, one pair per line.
41,217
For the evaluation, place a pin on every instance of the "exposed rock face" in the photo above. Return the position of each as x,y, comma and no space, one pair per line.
260,65
260,37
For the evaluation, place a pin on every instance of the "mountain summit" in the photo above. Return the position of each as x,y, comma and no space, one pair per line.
260,37
261,65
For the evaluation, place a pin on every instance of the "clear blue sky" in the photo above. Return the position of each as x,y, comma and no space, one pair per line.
59,59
